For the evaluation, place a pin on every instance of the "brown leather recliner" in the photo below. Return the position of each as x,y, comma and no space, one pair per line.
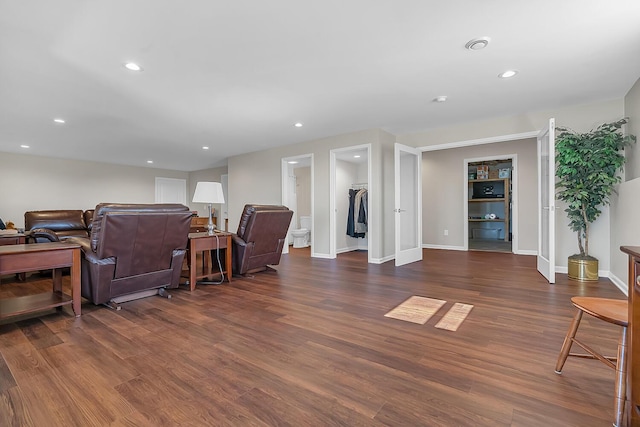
133,248
261,236
57,225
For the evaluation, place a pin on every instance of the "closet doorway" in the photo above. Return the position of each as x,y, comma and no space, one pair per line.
489,199
350,199
297,195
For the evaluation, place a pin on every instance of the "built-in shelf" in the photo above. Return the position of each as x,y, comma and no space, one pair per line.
489,199
480,206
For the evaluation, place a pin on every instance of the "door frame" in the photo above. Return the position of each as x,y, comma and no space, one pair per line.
513,219
285,195
481,141
371,196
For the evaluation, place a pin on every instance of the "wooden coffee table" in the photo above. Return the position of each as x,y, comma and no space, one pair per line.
41,256
203,242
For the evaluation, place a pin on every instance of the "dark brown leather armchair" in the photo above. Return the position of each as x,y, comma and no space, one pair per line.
262,233
56,225
134,250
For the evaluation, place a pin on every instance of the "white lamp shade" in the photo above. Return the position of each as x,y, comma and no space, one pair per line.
208,192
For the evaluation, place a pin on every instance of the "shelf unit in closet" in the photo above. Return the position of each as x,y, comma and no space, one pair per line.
486,204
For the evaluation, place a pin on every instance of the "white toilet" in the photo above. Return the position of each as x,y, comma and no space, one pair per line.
302,235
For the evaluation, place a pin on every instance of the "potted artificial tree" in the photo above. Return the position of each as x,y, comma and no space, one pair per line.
587,167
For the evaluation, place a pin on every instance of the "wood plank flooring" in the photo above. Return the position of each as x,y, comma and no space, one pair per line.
309,346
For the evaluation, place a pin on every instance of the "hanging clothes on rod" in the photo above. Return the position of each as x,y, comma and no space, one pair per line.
358,208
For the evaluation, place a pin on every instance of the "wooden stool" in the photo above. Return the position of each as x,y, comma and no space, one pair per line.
612,311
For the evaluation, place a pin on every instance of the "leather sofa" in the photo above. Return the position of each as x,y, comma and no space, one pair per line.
57,225
133,250
261,236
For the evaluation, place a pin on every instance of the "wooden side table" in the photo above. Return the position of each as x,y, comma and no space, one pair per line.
200,224
633,331
41,256
203,242
14,239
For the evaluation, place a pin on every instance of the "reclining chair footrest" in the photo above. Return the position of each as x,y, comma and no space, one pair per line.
113,305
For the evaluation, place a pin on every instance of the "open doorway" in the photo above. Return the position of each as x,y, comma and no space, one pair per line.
489,201
350,198
297,195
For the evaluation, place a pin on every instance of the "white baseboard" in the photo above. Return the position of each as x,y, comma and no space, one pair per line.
349,249
526,252
620,284
445,247
324,256
372,260
383,259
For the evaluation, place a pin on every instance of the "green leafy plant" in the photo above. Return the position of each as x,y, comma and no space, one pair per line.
587,166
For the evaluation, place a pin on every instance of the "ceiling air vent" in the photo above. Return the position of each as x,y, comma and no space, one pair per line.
477,44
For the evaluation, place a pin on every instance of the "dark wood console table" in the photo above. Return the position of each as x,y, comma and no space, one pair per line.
41,256
633,340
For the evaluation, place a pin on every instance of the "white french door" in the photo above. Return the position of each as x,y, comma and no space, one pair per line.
547,202
408,204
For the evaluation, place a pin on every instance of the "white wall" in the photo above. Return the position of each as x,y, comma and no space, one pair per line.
42,183
625,206
32,182
632,110
579,118
443,185
256,178
303,191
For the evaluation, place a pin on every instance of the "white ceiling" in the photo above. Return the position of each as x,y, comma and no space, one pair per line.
236,75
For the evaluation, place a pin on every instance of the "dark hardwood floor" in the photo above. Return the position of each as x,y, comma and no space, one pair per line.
309,346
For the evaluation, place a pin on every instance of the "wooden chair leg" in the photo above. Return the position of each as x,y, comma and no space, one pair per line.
621,379
568,340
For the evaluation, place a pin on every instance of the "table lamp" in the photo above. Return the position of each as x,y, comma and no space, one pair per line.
210,193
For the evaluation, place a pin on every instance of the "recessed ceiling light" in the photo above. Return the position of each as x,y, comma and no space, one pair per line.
149,161
59,121
24,146
441,98
507,74
298,125
205,148
477,44
132,66
357,156
293,162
